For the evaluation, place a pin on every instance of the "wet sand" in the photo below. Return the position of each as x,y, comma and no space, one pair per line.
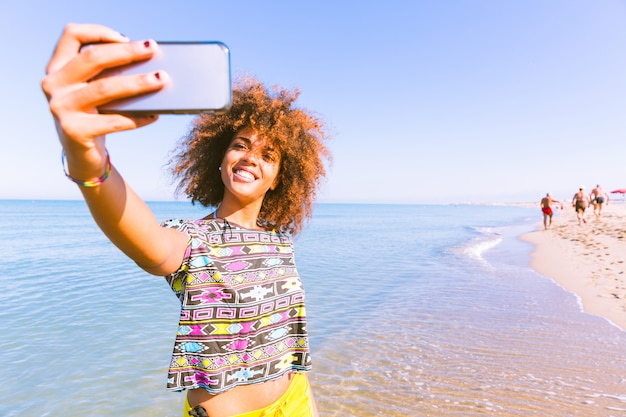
588,259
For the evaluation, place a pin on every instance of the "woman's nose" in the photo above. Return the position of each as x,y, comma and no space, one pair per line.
252,156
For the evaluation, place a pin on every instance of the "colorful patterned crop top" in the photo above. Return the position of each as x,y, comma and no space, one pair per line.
242,318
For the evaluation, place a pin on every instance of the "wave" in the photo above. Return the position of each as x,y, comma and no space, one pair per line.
474,249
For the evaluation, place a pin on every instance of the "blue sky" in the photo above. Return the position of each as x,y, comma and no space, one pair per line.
427,101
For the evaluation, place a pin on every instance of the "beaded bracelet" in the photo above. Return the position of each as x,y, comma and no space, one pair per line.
93,183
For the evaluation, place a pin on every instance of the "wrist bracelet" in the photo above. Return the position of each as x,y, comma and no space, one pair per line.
92,183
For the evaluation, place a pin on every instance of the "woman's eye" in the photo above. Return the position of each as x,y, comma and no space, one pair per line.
270,157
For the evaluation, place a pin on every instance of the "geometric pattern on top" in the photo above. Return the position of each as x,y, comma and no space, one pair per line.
242,318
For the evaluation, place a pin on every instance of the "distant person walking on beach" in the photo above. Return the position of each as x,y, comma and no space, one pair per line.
580,202
546,209
598,198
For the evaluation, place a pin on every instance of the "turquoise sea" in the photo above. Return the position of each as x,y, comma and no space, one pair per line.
414,310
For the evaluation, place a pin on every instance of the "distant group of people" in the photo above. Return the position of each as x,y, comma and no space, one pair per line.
598,197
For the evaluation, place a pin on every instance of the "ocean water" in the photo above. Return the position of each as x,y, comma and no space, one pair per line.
414,310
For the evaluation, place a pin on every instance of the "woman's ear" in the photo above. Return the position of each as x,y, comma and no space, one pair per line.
276,182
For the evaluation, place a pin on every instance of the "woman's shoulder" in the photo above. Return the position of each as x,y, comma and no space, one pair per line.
198,226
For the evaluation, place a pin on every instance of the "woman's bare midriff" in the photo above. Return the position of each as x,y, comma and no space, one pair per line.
242,399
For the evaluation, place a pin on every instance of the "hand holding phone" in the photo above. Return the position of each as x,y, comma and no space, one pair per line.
199,74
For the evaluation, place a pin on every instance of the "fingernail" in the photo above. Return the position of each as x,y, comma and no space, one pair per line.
158,78
146,44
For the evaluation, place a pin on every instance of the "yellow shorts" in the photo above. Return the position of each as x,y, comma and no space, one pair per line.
295,402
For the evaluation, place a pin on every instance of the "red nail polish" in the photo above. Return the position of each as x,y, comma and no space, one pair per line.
146,44
157,75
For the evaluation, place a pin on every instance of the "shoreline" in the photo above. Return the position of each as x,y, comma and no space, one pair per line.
588,260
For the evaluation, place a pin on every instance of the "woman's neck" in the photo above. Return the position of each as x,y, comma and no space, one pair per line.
244,216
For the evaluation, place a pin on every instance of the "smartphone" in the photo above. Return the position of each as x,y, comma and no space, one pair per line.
200,80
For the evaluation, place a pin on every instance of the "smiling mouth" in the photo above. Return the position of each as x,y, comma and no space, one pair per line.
245,175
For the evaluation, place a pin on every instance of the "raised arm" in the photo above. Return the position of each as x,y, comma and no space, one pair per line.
119,212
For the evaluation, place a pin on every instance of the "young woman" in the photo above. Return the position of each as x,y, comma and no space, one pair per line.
241,348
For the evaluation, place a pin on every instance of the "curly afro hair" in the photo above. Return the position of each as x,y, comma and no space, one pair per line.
297,134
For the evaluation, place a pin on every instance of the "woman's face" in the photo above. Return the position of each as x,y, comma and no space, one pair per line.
250,167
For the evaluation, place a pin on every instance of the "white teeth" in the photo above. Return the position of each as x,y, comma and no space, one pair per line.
245,174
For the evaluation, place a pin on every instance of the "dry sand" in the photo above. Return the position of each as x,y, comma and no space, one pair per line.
588,260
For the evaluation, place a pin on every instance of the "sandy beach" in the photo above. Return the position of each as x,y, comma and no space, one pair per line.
588,259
